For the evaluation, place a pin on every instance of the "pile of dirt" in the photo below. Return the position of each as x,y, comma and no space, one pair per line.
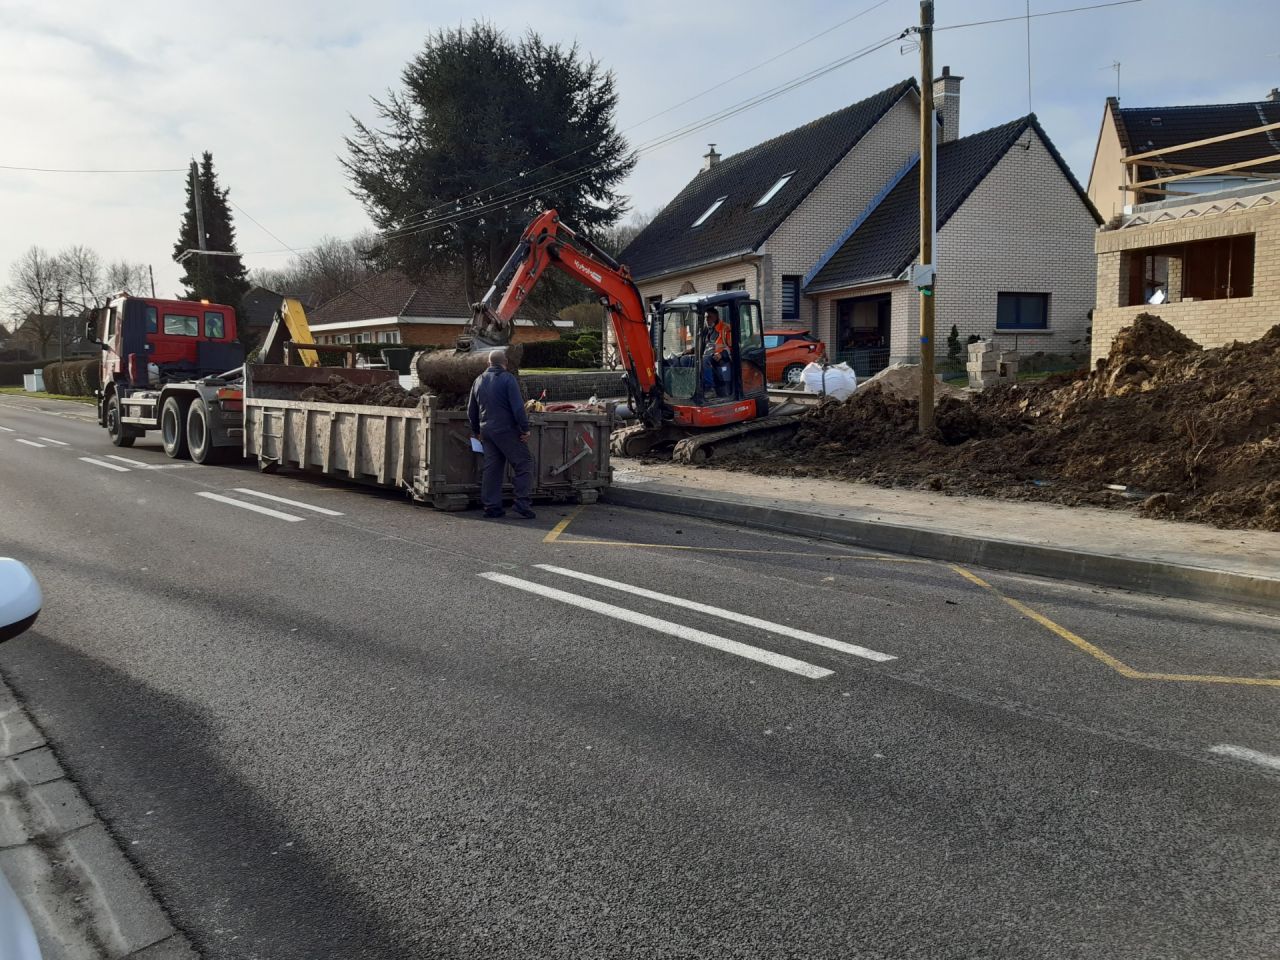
903,380
338,390
1178,431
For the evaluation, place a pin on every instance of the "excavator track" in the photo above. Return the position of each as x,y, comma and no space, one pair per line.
701,446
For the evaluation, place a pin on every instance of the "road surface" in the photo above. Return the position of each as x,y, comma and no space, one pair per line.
326,723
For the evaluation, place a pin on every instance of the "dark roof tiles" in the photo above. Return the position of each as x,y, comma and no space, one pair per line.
809,153
1155,128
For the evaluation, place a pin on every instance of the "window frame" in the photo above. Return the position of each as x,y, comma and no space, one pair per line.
794,280
774,190
164,325
709,211
1042,297
222,325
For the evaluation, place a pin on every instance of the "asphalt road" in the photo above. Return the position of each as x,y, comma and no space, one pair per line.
388,732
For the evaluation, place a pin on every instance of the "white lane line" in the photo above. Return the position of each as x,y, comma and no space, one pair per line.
103,463
293,503
7,429
770,626
790,664
1244,753
250,506
132,463
56,443
29,443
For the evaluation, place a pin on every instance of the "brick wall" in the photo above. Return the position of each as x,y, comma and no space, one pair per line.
1211,323
1023,230
826,213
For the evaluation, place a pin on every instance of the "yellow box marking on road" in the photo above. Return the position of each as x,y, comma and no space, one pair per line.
563,525
1094,651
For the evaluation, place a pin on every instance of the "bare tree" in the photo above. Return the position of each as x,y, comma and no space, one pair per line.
333,266
124,277
32,295
614,239
80,270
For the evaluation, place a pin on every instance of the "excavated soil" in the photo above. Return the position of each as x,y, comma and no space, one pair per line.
1187,433
338,390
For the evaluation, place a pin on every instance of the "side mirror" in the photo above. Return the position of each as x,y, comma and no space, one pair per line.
20,598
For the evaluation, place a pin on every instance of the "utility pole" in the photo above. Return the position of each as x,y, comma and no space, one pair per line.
925,280
152,274
201,241
62,328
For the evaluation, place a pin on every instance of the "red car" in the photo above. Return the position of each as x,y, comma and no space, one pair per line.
788,352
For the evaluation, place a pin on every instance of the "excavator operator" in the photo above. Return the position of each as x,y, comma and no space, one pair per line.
717,338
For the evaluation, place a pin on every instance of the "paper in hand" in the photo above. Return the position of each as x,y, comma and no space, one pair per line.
476,446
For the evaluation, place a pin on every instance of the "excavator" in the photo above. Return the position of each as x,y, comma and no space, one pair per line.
694,366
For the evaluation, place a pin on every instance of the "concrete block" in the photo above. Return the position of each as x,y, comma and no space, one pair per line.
981,347
57,808
37,766
123,905
17,733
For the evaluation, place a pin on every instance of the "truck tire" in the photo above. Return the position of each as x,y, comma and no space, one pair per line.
199,436
173,429
122,435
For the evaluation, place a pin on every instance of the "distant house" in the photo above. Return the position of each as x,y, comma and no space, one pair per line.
391,308
40,334
820,222
1172,160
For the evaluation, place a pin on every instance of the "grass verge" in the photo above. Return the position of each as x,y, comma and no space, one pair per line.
19,392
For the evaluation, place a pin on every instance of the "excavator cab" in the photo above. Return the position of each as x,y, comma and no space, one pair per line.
710,353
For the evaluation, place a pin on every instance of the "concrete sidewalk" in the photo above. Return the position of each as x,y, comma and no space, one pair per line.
1111,548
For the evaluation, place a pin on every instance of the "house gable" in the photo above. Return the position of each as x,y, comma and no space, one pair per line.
672,243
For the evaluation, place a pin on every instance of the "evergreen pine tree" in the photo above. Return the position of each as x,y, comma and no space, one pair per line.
218,279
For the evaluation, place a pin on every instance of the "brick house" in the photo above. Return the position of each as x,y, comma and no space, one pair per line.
1207,264
808,221
392,309
1014,254
1161,136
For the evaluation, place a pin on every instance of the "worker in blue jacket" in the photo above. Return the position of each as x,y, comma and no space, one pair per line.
499,421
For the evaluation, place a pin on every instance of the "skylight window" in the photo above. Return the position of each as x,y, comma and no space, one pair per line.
773,191
710,210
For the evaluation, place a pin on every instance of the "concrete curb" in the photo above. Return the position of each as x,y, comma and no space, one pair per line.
84,898
1127,573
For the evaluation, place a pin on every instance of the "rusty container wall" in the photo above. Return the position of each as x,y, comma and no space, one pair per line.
571,453
424,450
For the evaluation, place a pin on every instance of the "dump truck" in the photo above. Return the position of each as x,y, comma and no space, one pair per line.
176,368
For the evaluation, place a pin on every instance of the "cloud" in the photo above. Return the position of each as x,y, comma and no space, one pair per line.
269,88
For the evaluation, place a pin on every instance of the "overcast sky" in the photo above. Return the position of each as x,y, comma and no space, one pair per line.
269,87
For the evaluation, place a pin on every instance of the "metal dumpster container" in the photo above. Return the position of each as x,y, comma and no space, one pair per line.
422,450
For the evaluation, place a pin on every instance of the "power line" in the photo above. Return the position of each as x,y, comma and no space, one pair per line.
4,166
1047,13
524,173
1030,109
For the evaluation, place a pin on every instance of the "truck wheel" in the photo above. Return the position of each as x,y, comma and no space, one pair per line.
121,434
199,436
173,429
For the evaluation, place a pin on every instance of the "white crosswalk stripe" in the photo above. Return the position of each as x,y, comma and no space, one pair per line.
29,443
293,503
767,657
266,511
778,628
56,443
103,463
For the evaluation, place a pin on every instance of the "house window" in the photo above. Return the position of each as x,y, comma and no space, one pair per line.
773,191
790,297
180,325
1022,311
364,338
1218,269
710,210
732,285
214,325
389,336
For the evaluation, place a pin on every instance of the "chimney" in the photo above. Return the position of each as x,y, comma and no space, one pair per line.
946,103
1274,95
710,158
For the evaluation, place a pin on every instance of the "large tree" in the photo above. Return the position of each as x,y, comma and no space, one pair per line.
213,276
484,134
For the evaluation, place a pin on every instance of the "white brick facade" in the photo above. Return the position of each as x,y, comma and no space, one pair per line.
1024,229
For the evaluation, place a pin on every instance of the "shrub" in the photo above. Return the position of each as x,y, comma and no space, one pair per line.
72,378
12,371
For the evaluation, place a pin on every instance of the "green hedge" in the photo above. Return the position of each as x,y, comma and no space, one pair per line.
553,353
373,351
12,372
72,378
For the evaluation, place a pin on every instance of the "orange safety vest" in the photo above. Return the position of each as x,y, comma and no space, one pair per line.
724,336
